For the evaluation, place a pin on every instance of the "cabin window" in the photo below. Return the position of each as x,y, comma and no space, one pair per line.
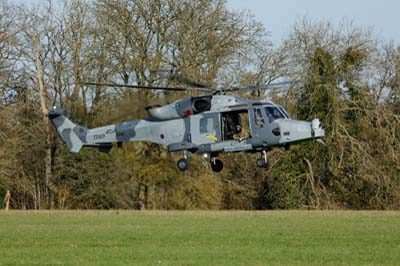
206,125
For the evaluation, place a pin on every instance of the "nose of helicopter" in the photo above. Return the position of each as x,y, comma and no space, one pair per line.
316,130
293,131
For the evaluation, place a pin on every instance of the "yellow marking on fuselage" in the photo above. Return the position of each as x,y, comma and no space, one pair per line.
212,137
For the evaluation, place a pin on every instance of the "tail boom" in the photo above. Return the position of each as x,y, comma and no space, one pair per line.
76,137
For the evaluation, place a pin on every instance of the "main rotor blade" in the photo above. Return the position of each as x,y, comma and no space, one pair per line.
146,87
277,85
264,87
189,81
173,74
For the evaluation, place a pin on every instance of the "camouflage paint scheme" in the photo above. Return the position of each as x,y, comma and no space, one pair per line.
180,128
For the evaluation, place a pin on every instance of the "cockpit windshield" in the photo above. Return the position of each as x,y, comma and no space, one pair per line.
273,113
285,113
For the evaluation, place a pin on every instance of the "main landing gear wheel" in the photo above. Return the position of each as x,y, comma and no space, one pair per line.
216,165
263,161
183,163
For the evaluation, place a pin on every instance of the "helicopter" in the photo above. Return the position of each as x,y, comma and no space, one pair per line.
209,124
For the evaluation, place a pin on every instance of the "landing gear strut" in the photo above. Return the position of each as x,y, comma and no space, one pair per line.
263,161
216,165
183,163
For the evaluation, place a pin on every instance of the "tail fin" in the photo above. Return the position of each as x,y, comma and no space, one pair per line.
73,135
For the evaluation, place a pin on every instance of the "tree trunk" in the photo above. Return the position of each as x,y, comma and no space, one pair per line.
48,154
7,200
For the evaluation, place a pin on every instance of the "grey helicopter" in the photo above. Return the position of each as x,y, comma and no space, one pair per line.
208,124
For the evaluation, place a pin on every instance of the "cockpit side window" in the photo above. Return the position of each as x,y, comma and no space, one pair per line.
273,113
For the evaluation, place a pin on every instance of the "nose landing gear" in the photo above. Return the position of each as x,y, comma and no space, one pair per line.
263,161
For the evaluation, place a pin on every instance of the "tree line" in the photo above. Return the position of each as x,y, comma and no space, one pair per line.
350,80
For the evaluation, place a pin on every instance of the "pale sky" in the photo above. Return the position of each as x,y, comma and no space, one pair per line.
278,16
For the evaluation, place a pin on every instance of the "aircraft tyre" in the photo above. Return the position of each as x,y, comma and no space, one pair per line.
262,163
183,164
217,165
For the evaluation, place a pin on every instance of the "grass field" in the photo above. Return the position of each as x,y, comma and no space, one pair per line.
199,238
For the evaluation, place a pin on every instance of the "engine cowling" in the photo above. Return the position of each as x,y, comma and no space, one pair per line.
181,108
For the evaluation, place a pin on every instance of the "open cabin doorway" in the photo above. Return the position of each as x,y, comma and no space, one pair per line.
236,125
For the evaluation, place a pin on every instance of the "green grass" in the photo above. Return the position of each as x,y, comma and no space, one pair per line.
199,238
